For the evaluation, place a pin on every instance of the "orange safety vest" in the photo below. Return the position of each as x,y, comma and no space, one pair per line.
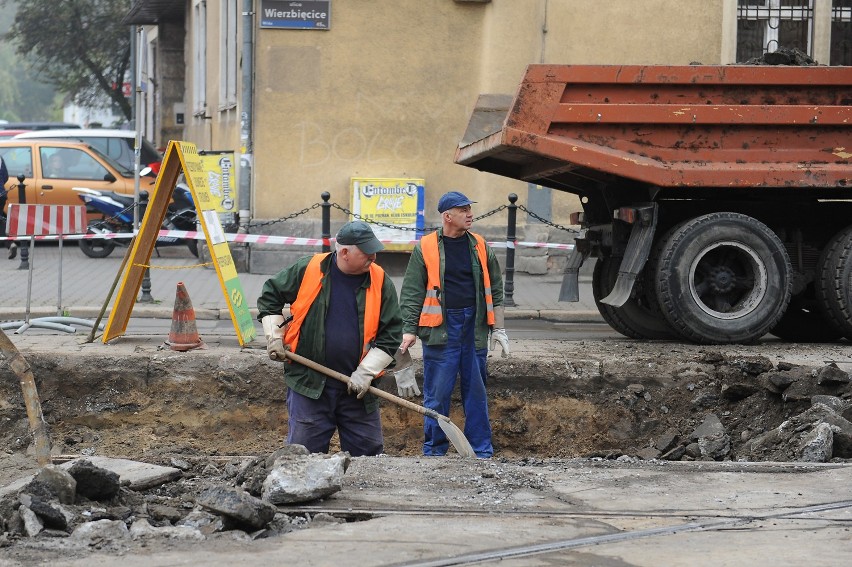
309,290
431,315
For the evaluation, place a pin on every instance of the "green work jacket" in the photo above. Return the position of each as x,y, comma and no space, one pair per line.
413,293
282,289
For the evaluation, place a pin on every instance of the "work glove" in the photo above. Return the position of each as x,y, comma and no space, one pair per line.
406,385
500,336
275,346
498,332
371,366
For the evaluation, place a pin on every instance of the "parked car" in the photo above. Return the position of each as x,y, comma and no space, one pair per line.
37,125
117,144
6,134
51,168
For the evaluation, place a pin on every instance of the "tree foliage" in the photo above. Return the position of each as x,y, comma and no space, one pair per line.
22,96
80,46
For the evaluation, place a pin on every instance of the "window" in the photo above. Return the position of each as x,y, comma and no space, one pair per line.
199,57
70,163
841,33
763,27
228,54
19,161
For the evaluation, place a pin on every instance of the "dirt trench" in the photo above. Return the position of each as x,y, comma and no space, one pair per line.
551,399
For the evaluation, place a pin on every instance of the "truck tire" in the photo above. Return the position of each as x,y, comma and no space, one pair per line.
635,319
803,322
834,293
723,278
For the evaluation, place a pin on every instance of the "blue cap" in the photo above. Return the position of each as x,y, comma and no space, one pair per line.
452,199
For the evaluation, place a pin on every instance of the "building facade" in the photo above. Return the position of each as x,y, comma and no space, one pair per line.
384,88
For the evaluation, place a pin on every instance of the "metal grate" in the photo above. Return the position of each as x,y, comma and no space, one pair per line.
841,33
764,27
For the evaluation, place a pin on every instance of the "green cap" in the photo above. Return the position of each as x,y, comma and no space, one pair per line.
360,234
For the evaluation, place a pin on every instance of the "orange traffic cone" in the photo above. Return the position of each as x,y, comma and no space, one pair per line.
184,334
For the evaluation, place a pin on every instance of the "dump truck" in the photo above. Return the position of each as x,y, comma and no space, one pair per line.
717,199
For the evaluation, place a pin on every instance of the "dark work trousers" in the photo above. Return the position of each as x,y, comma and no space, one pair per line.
312,422
442,364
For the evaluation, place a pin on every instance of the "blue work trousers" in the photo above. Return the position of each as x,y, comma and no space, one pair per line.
442,364
312,422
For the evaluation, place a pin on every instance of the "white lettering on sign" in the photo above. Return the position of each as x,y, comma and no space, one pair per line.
294,14
371,190
389,204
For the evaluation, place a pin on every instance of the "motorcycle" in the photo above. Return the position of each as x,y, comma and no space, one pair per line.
116,210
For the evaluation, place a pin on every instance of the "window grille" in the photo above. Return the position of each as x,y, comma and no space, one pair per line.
841,33
764,27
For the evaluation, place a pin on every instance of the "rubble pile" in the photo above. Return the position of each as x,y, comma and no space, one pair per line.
783,56
83,505
746,409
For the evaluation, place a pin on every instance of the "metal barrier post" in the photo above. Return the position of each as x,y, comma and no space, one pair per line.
146,296
25,243
326,221
509,285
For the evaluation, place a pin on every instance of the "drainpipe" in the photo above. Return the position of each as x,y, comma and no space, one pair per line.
246,158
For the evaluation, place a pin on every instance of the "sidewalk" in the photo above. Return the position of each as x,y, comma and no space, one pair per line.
86,284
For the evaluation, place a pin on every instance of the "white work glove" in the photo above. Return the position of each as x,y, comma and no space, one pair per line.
500,336
370,367
274,336
498,332
406,385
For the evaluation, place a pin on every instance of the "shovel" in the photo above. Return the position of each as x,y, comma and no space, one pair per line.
453,433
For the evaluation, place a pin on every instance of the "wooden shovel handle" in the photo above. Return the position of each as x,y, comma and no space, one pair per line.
373,390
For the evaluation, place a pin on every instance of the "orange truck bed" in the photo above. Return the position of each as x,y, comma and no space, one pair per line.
670,126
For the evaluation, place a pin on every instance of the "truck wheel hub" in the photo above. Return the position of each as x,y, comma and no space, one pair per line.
721,279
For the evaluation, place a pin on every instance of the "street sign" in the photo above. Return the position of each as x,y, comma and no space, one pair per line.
301,15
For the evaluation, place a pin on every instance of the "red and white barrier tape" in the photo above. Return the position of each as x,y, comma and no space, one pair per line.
271,239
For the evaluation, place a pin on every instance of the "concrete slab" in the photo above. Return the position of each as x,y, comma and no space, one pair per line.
136,475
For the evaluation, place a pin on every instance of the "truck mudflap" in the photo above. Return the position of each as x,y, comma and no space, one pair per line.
570,289
638,249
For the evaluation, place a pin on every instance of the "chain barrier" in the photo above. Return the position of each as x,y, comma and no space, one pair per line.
251,225
255,225
547,222
412,229
379,223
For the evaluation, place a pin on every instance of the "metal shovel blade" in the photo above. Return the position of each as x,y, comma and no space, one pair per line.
453,433
456,437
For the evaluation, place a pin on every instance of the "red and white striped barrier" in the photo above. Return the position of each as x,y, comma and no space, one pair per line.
45,220
288,240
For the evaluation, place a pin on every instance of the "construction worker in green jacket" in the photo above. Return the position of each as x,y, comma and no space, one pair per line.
452,299
345,316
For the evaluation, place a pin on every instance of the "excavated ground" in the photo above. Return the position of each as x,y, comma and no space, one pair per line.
550,399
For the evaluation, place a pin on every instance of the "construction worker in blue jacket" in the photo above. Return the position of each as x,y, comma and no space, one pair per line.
452,299
345,316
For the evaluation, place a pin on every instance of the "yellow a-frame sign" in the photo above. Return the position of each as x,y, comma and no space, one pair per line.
181,155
